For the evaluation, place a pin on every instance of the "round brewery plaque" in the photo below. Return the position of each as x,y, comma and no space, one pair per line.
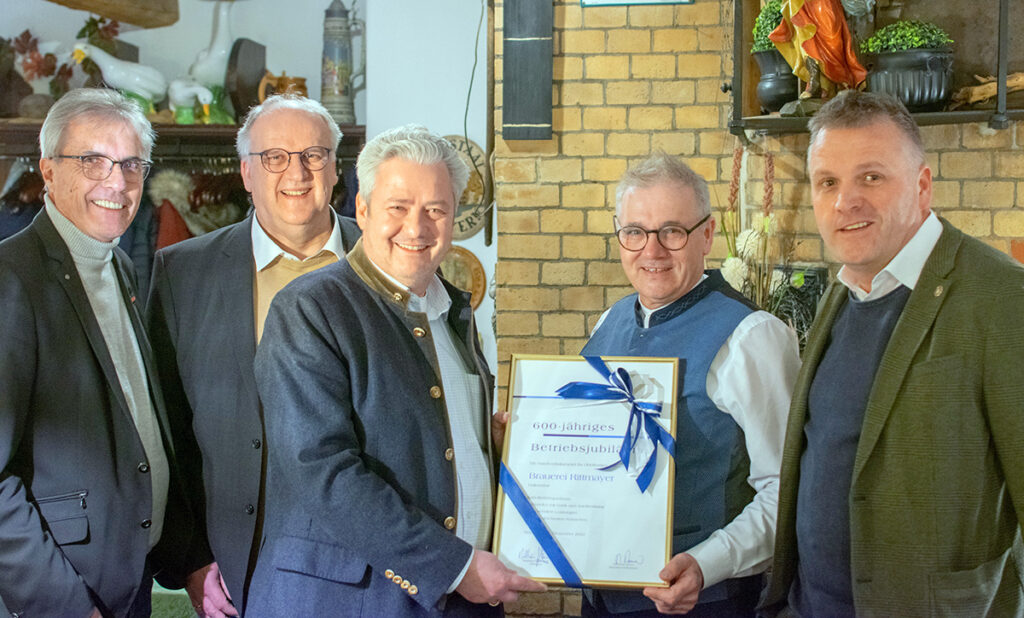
471,214
464,271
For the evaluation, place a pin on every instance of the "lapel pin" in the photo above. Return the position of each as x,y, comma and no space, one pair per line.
938,291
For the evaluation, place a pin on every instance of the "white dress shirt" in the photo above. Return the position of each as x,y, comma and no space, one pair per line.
265,250
905,268
751,379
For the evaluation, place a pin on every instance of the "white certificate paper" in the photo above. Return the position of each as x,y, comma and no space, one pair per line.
613,534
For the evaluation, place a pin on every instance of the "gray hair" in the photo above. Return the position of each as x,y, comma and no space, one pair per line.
283,101
412,143
659,168
93,102
853,109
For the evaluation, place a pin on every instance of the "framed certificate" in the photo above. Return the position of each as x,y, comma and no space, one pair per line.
587,470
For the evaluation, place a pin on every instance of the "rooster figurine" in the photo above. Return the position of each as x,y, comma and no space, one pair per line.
141,83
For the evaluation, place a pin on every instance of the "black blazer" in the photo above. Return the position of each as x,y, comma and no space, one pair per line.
201,318
75,495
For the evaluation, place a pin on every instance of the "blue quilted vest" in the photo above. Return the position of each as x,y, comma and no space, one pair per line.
711,458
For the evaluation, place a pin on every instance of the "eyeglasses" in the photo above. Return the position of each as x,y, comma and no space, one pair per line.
672,237
98,167
277,160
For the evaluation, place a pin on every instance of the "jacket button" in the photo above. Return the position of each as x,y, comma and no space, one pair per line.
256,443
146,523
413,589
397,579
405,584
389,573
249,509
449,454
435,392
397,297
143,467
449,522
419,332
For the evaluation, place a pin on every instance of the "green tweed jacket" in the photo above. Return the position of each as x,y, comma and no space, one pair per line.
937,499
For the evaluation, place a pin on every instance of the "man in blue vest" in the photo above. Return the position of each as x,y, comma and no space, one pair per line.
738,366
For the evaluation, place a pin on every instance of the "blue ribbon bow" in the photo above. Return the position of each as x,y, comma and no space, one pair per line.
619,387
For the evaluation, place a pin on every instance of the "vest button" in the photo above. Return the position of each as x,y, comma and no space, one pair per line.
256,443
146,523
435,392
419,332
143,467
249,509
449,454
449,522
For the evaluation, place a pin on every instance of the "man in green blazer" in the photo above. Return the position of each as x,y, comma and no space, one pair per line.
902,482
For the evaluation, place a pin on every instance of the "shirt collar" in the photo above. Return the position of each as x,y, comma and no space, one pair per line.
80,244
677,306
435,303
265,250
905,268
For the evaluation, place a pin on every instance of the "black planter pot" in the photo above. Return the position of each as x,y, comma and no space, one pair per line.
921,78
778,85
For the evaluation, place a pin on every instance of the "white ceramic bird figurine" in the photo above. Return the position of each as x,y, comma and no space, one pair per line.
182,95
131,78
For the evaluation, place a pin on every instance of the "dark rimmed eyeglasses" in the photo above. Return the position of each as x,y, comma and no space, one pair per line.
98,167
277,160
672,237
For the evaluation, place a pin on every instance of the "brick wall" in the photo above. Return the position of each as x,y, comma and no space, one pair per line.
629,80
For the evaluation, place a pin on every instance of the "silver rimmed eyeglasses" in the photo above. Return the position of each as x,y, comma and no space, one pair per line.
98,167
672,237
277,160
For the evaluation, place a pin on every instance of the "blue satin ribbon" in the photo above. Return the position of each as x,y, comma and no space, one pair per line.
538,528
619,387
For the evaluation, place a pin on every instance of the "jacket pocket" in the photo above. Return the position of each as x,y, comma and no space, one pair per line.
316,559
66,516
971,592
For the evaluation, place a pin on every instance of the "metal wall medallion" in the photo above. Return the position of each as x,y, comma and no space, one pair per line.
471,214
464,271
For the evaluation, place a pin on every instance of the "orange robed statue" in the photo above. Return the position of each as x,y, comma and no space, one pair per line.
814,32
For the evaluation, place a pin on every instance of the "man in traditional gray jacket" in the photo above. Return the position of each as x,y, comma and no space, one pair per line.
380,487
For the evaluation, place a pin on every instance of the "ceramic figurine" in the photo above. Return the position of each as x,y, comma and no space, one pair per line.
141,83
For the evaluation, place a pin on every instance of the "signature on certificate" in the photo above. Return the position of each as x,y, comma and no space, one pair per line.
626,560
533,556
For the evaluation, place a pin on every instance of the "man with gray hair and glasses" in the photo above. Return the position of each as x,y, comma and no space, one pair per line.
737,366
380,489
210,296
89,493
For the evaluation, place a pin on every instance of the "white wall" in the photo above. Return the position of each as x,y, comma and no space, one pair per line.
419,57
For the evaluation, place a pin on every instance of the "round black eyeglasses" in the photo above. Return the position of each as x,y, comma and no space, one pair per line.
672,237
98,167
277,160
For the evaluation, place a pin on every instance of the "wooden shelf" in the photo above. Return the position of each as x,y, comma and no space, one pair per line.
745,75
20,138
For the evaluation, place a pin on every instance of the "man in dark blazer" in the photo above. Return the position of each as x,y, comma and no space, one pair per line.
88,467
380,485
902,483
210,297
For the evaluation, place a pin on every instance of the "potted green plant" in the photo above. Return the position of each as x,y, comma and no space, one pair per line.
912,60
777,85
